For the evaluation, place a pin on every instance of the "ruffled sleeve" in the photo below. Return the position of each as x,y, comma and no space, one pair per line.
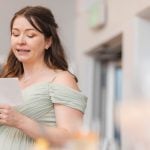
67,96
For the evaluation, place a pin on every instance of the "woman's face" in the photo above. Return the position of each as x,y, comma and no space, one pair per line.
27,44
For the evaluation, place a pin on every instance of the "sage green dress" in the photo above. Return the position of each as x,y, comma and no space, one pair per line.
38,105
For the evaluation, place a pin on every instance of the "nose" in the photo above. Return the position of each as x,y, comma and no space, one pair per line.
21,39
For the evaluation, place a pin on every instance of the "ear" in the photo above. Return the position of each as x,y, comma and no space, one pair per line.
48,43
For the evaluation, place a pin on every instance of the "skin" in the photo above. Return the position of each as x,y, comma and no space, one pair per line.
29,45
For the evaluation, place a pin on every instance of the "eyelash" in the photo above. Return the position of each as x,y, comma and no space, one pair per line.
30,36
13,34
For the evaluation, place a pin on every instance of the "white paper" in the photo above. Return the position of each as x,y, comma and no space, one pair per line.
10,92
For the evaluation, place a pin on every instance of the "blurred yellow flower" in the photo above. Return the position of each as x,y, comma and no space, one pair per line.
41,144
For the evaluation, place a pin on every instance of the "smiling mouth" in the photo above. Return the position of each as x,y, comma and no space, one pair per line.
23,50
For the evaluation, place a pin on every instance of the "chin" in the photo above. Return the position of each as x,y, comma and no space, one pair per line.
23,60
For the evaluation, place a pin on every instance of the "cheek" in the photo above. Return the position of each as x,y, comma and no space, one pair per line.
38,45
12,43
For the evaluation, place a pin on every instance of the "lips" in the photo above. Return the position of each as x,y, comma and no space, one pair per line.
23,50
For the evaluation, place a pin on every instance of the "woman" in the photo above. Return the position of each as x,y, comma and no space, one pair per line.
54,105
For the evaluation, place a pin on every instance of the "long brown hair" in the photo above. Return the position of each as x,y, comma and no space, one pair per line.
41,19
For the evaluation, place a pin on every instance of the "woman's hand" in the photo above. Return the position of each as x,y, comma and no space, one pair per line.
9,116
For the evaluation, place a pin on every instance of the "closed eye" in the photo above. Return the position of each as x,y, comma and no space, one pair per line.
15,34
30,36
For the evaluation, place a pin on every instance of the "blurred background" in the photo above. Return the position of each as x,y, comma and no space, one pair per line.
108,47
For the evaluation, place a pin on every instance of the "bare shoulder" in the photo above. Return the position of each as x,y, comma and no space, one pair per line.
67,79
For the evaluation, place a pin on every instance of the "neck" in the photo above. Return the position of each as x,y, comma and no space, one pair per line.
31,70
34,68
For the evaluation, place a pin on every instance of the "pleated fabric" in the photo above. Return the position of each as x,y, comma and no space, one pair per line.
38,104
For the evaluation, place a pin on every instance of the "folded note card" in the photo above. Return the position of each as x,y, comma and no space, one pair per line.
10,92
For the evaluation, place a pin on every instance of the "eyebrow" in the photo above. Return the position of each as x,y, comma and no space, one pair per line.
30,29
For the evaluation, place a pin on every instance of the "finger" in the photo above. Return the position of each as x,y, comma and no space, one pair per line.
2,121
3,111
2,116
4,106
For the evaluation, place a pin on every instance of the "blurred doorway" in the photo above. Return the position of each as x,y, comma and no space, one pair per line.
107,88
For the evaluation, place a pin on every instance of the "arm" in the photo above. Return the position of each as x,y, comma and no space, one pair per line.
10,117
68,119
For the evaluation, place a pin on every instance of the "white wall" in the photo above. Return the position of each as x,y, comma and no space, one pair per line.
64,12
119,13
